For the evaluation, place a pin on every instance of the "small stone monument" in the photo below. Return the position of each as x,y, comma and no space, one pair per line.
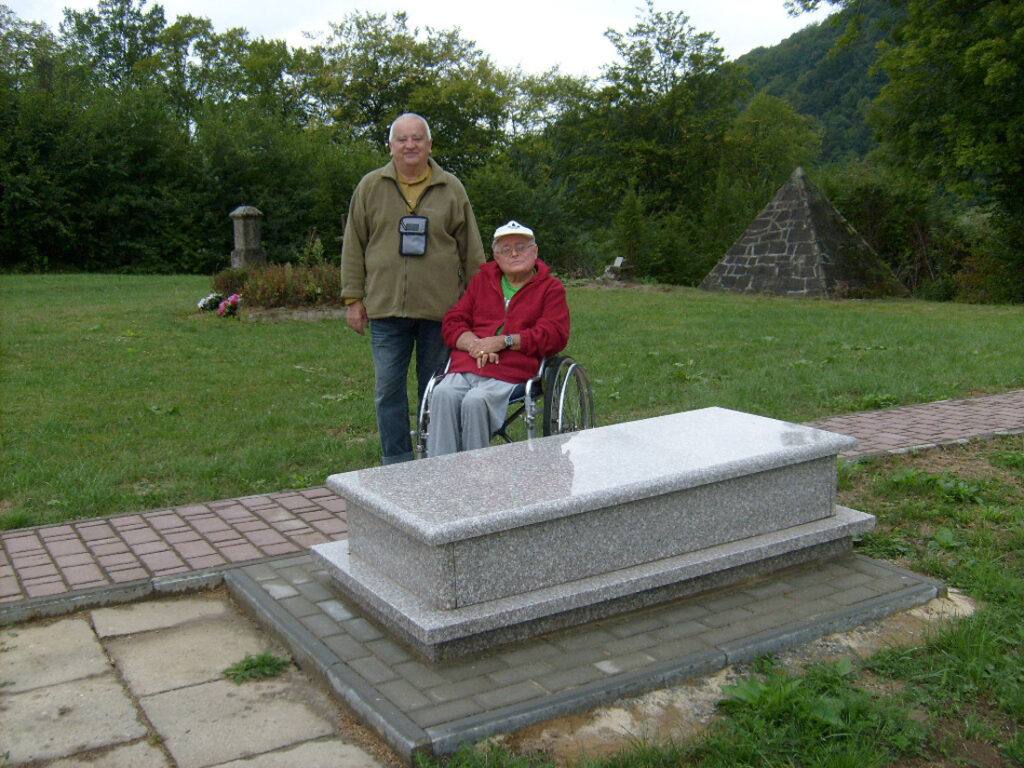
619,271
248,250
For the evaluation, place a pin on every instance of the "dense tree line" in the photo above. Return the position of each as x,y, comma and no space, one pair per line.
126,140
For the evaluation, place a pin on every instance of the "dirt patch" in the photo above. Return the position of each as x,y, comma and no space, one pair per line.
684,711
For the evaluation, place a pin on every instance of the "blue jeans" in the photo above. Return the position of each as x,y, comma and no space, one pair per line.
392,340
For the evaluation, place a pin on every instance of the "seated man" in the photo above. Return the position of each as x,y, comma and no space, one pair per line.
513,314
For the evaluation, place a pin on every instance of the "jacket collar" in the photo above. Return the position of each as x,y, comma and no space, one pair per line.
437,173
493,271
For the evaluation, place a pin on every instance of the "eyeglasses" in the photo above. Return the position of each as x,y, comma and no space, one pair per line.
519,248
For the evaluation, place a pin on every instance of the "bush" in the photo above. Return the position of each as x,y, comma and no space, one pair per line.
285,285
229,281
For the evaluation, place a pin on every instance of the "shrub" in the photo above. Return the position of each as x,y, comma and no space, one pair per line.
287,285
229,281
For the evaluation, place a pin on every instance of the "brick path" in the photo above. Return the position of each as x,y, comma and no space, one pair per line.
51,562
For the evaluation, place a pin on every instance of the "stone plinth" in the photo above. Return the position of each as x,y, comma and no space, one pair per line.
248,251
460,552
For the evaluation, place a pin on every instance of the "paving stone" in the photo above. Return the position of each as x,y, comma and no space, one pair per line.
36,656
299,607
566,679
451,711
419,675
154,614
680,630
64,719
345,647
518,674
465,668
330,753
212,723
320,625
314,592
139,755
389,651
362,630
403,695
726,618
632,643
201,651
373,670
510,694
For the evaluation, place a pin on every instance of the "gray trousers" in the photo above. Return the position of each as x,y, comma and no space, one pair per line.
465,409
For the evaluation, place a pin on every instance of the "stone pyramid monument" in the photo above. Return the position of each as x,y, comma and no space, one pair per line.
800,245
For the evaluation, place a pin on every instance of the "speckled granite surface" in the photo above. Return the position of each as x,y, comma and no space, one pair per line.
473,543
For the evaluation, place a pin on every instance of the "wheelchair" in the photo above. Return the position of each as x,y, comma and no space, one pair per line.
558,399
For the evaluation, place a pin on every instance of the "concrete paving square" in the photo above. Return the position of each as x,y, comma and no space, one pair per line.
331,753
138,755
64,719
155,614
213,723
201,650
41,655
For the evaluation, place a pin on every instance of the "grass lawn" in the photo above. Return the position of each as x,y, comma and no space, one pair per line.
117,395
953,698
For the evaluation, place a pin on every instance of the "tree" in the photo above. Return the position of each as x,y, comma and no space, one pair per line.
119,41
659,53
768,141
375,67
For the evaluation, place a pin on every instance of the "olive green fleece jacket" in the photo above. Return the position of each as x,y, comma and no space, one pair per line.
418,287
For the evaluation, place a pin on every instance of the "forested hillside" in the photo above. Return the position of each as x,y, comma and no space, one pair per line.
126,139
829,72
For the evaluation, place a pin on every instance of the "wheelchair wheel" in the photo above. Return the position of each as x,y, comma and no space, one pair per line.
568,398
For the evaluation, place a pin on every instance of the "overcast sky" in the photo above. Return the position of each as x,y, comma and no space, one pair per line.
533,34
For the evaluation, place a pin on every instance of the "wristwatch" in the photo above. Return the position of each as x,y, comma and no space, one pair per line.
508,341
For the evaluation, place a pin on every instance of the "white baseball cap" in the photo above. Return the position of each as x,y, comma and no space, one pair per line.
512,228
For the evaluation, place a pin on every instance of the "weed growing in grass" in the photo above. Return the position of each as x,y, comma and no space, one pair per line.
256,667
818,718
969,676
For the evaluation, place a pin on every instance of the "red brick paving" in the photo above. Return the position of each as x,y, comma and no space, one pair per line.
58,559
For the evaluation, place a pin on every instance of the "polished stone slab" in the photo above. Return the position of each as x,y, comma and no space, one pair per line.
487,546
457,497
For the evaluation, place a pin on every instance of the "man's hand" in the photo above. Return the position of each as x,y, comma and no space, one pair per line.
356,315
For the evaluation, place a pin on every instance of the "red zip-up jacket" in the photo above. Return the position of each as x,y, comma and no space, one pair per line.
538,313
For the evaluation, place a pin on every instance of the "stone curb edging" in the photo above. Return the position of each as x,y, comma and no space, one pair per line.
409,739
111,595
401,734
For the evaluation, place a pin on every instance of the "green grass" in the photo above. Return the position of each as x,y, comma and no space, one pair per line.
117,395
256,668
954,698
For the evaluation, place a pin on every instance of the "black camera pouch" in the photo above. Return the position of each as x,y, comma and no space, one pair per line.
413,232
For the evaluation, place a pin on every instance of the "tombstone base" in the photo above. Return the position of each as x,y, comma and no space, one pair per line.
444,634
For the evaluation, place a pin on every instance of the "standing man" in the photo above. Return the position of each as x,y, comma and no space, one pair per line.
411,246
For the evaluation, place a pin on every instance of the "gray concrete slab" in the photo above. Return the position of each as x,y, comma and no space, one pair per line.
138,755
155,614
76,700
44,655
201,650
330,753
213,723
64,719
